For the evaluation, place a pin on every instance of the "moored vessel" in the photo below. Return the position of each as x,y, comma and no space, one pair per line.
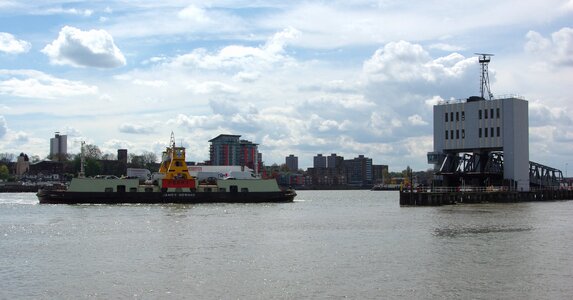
171,184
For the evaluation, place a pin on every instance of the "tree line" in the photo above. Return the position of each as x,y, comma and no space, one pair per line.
94,161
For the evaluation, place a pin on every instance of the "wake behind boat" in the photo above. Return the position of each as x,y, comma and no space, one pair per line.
171,184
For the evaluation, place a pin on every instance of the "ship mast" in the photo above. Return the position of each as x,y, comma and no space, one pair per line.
172,141
82,173
484,59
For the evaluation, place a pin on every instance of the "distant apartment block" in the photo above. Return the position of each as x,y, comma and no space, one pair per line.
319,161
59,147
230,150
292,163
334,161
359,170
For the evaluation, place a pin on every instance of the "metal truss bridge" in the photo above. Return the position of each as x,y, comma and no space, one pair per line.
486,166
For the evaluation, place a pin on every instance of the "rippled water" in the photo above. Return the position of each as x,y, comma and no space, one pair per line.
327,244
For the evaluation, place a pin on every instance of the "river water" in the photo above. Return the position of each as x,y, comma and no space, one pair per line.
327,244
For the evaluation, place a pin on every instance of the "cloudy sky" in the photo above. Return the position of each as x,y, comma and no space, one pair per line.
297,77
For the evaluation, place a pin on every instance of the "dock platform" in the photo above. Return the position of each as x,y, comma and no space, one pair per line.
438,197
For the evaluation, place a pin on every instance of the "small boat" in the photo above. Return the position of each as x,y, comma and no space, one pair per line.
171,184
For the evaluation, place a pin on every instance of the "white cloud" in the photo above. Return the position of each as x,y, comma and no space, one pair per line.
237,56
246,76
72,132
3,127
536,43
194,13
193,122
9,44
69,11
112,145
398,61
211,87
433,101
446,47
416,120
93,48
563,46
406,62
36,84
558,49
136,128
151,83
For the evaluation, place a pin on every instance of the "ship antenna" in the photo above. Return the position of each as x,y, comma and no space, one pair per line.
484,59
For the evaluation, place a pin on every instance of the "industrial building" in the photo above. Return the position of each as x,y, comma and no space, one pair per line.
484,141
59,147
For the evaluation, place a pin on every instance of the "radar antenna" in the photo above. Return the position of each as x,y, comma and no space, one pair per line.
484,59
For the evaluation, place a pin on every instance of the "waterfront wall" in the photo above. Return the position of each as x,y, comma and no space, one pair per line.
13,188
426,198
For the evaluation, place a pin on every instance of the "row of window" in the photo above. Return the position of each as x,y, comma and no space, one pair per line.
483,132
482,114
451,114
457,136
491,130
485,113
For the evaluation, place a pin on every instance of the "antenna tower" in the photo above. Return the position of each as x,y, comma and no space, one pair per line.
485,91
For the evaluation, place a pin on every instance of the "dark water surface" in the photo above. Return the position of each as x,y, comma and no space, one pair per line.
327,244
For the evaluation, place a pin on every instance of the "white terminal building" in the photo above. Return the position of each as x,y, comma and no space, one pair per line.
487,131
484,141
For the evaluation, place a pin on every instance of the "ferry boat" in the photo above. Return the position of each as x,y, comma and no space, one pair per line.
171,184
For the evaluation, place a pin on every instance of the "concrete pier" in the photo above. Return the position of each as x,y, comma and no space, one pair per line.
435,198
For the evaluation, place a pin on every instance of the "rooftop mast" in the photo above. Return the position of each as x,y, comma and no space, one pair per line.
485,91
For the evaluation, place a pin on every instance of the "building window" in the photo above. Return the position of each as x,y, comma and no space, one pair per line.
446,133
463,133
480,132
498,132
492,132
452,134
446,117
463,115
491,113
497,112
457,116
479,114
452,116
458,134
485,113
485,130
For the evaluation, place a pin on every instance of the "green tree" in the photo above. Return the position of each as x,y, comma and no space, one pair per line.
4,172
109,156
7,157
92,151
93,167
145,160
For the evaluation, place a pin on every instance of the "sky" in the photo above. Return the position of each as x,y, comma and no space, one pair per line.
297,77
